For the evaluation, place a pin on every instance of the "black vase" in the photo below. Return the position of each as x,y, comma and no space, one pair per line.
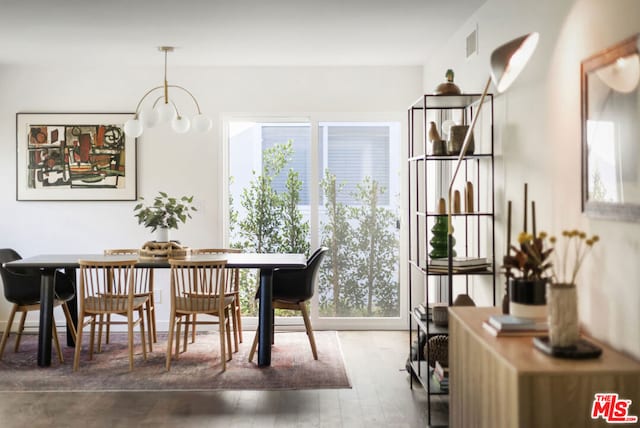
527,297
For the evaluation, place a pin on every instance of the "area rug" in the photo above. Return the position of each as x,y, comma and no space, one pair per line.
198,369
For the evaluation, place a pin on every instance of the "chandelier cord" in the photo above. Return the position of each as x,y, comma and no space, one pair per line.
166,84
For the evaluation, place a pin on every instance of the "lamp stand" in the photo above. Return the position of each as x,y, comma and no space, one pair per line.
463,152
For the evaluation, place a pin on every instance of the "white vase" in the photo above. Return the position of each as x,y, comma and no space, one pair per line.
162,234
562,301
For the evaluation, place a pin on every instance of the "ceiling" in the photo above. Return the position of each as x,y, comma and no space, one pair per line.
231,32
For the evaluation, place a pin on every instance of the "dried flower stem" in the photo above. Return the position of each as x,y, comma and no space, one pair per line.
580,245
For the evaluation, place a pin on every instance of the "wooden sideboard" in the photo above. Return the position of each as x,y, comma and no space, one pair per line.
505,382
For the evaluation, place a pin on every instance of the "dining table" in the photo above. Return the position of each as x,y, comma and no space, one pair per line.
49,263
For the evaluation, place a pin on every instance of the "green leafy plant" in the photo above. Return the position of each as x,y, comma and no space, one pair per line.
165,211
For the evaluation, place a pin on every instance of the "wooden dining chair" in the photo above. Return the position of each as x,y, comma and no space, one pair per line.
143,283
197,288
232,288
107,288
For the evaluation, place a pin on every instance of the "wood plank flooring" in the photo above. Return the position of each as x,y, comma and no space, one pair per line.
380,397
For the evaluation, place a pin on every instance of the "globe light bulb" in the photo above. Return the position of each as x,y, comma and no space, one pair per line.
201,123
166,112
181,124
133,128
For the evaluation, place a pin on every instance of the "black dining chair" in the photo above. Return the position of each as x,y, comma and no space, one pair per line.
22,288
292,289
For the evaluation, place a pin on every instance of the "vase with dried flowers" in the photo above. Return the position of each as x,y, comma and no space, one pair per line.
528,268
562,294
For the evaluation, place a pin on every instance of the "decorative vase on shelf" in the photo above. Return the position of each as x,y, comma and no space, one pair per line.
440,231
527,298
439,240
562,300
456,140
162,234
448,87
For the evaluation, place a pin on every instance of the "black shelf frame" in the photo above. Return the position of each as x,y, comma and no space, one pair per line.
421,218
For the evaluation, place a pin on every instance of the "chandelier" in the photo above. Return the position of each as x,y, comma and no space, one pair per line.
165,110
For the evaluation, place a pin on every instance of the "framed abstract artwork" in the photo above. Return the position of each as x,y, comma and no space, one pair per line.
75,157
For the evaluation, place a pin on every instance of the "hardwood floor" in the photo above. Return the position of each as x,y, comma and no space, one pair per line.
380,397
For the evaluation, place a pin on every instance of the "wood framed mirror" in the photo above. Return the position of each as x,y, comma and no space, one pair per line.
610,96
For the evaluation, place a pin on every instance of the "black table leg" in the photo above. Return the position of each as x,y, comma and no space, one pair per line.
265,326
46,317
73,306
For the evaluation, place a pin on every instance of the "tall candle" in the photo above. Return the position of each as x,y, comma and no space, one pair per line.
525,208
508,227
533,217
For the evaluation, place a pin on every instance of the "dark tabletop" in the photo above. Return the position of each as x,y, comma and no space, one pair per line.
234,260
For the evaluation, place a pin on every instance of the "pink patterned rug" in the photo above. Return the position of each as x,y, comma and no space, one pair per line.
292,366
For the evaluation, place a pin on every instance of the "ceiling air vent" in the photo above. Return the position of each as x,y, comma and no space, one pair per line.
472,43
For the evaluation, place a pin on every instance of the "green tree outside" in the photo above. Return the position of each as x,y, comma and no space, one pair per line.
376,248
337,237
273,222
357,277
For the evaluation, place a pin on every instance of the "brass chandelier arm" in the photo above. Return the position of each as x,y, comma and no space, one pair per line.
143,98
190,94
175,106
137,113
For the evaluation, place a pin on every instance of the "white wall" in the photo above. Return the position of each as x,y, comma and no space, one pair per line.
178,164
537,129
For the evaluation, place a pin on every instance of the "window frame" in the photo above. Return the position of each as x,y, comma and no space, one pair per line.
397,157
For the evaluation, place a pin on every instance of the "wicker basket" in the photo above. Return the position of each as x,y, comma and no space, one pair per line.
154,250
437,349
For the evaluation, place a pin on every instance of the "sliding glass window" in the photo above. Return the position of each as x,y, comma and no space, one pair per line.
347,202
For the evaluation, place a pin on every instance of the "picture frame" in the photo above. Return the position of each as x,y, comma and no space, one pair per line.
75,157
610,122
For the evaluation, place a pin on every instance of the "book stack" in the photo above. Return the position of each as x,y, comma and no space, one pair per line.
441,376
509,325
423,313
459,264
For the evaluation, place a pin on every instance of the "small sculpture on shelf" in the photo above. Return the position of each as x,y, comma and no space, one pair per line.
468,197
438,145
448,87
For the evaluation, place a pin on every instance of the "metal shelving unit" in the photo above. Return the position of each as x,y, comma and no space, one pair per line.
429,177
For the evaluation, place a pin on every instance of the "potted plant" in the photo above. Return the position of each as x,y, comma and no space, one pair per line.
528,268
164,213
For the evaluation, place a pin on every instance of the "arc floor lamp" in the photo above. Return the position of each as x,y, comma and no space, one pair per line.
507,61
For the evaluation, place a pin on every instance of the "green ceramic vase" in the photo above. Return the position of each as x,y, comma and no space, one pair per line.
439,245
